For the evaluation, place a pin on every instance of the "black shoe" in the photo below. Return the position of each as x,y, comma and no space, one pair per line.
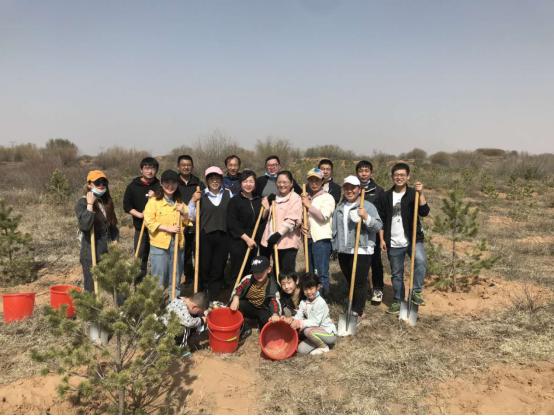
245,332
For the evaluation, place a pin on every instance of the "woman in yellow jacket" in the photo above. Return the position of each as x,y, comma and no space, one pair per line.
165,216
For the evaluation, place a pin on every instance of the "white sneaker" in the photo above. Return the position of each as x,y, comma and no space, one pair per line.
377,296
319,351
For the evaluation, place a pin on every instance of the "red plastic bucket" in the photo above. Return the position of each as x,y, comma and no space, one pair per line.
18,306
278,340
60,295
224,329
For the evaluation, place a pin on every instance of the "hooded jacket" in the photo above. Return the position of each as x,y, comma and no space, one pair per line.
136,197
345,243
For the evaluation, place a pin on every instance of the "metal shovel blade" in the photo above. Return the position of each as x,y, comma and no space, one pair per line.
347,324
98,335
408,313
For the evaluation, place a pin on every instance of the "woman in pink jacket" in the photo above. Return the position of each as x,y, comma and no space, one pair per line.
288,216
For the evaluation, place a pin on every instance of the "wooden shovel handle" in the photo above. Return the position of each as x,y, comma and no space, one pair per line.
414,230
248,250
355,261
139,240
93,255
275,249
305,223
175,257
197,244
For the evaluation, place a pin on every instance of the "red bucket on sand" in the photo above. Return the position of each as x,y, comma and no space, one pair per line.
278,340
60,295
18,306
224,329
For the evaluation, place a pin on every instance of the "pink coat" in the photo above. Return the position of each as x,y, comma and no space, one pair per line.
288,215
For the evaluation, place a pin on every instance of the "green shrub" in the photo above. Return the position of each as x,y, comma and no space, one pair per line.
17,263
58,190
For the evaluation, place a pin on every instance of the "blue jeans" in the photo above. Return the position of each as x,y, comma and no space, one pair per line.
319,254
162,266
396,259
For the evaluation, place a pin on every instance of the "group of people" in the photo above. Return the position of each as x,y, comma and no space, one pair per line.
233,204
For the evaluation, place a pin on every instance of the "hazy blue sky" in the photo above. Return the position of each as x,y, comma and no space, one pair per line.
367,75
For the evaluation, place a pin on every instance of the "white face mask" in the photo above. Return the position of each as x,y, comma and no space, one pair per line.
98,192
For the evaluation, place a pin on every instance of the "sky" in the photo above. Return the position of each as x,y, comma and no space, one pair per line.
369,76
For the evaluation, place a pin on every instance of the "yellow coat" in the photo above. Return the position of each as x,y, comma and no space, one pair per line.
159,212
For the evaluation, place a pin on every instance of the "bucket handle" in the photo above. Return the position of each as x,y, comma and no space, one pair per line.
221,339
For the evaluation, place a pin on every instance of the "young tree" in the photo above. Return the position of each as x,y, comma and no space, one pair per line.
458,221
58,189
17,263
131,371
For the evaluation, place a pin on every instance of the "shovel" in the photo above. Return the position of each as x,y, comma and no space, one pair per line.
248,250
305,221
275,249
408,310
175,257
197,244
96,334
348,322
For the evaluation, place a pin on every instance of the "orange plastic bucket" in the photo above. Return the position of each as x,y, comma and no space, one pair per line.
60,295
224,329
18,306
278,340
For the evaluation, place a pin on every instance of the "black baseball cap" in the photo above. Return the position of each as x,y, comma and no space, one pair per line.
170,176
259,264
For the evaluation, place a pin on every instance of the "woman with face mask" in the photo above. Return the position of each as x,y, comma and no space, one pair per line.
242,213
95,209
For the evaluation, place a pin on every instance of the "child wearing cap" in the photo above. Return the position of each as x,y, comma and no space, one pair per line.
312,319
165,216
256,295
345,220
214,242
320,205
95,209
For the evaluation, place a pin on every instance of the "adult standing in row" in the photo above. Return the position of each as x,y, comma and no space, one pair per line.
188,183
373,193
231,181
288,219
214,241
345,220
329,185
320,206
267,184
243,211
134,200
95,211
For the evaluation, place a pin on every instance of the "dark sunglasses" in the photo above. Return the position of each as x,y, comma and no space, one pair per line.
100,182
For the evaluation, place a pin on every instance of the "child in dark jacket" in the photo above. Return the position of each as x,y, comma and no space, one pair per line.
256,295
290,294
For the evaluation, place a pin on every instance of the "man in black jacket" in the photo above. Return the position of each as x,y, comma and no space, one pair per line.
396,209
364,172
267,183
135,199
333,188
187,186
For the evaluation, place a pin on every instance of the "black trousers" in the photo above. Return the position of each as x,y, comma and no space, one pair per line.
237,251
361,284
377,282
261,315
144,251
287,258
188,267
214,250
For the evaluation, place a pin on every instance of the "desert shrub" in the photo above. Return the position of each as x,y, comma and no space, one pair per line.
329,151
488,187
276,146
418,155
19,153
486,151
131,371
124,161
458,222
16,259
440,158
465,159
63,149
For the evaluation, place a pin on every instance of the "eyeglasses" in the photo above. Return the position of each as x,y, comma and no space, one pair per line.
100,182
399,175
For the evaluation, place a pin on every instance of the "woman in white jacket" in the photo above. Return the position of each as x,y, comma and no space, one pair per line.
320,206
